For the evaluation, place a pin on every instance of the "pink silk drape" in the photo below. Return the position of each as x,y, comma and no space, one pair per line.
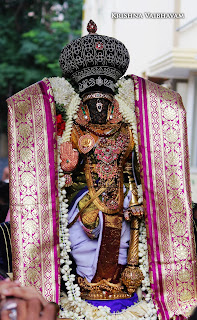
164,161
33,188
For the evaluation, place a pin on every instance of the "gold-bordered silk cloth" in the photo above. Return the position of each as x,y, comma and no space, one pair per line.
164,162
33,188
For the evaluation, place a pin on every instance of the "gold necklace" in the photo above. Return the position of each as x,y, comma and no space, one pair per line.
105,130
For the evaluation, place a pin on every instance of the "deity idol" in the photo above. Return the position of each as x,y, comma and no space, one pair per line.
121,142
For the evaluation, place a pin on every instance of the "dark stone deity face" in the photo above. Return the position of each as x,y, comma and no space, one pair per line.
98,109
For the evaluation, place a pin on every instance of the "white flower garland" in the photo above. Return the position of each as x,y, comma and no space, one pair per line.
140,194
65,95
72,305
126,100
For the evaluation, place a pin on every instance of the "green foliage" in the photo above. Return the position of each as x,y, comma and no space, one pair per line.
31,38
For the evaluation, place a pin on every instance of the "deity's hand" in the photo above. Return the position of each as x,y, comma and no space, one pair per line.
69,156
136,211
130,210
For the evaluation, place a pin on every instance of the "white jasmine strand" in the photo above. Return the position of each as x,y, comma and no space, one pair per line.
126,100
65,95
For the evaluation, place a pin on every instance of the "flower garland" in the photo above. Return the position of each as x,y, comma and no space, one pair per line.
126,100
65,95
72,306
140,194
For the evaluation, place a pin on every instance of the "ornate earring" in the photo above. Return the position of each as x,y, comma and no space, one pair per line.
99,105
115,115
84,113
109,112
83,116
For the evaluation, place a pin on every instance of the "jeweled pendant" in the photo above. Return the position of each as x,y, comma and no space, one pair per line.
68,180
86,143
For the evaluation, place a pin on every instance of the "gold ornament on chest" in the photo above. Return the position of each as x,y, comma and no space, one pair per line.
86,143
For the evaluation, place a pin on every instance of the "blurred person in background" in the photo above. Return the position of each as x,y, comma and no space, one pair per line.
194,315
17,302
5,176
5,244
4,200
